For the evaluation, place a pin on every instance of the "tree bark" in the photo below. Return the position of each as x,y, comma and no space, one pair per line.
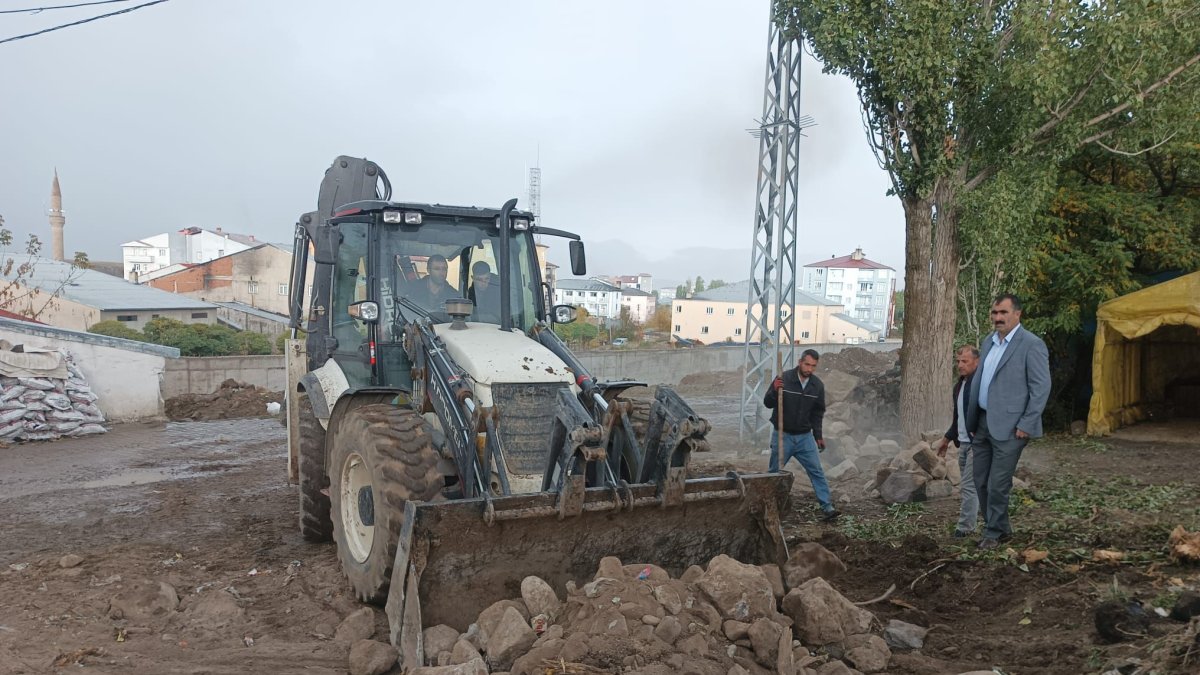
931,292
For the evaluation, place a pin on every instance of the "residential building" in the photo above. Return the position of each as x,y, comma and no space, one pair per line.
642,281
864,287
62,295
257,277
599,298
640,304
189,245
719,315
848,330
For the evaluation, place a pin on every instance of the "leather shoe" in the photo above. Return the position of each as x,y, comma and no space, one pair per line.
987,543
1005,537
830,516
960,534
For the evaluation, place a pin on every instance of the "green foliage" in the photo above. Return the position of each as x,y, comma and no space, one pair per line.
577,333
716,283
198,339
901,520
281,339
118,330
681,291
699,287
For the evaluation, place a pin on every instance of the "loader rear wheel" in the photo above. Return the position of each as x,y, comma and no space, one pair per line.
315,523
381,457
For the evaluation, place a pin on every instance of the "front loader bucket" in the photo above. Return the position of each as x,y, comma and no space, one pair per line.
456,558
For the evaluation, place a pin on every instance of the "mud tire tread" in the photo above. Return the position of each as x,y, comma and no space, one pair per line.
315,522
403,464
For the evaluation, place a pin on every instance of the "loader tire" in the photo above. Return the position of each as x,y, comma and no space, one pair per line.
380,457
315,523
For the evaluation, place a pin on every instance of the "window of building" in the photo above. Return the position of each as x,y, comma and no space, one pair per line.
162,252
199,315
835,298
153,316
220,252
834,286
677,329
729,311
879,315
804,334
127,317
678,309
863,288
820,272
283,289
252,287
737,331
818,285
137,267
704,330
593,293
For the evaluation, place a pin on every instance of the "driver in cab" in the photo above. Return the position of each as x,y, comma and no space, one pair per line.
432,290
484,294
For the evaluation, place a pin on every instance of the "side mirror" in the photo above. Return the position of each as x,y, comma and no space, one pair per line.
563,314
364,311
578,259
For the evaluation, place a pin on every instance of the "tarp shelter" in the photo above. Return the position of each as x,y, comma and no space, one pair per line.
1147,355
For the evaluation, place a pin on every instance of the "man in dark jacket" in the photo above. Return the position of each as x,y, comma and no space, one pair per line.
803,410
966,360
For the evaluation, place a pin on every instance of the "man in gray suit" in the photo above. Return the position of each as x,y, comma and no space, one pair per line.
1008,394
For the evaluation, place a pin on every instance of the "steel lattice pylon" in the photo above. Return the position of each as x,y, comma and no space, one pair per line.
773,254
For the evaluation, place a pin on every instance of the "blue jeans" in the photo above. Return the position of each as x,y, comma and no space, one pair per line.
804,448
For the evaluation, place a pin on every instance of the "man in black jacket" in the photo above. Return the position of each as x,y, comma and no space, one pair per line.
966,361
803,410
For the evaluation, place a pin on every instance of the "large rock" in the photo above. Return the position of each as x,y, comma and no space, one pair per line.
360,625
926,458
889,448
821,616
938,489
539,597
931,436
868,653
142,599
848,446
836,428
838,385
491,616
843,471
475,667
836,668
739,591
368,657
903,486
831,456
870,448
668,629
437,639
810,560
764,638
463,652
903,635
511,637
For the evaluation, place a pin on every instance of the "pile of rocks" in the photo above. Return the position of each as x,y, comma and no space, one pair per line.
47,408
727,619
917,474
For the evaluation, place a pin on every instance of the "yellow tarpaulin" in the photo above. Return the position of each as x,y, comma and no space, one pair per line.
1143,340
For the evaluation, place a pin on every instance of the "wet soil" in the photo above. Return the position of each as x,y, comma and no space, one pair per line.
232,400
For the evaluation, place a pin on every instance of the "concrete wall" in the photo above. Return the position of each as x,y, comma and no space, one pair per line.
126,376
202,375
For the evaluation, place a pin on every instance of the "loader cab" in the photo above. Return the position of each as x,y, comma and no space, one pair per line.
382,265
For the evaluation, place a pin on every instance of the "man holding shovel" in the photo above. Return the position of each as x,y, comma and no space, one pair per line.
797,402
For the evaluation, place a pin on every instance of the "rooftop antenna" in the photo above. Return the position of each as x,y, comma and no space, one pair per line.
535,190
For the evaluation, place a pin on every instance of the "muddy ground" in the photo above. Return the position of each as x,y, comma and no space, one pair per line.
204,507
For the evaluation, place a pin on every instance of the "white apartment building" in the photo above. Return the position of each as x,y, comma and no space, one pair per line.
189,245
599,298
864,287
640,304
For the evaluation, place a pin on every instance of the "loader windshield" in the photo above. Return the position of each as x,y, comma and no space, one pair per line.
440,259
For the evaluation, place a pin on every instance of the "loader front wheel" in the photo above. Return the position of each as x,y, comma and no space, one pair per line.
315,524
380,458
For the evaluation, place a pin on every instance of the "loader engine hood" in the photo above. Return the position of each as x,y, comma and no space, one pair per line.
492,356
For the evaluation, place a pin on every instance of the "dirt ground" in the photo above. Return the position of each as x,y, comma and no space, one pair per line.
204,507
232,400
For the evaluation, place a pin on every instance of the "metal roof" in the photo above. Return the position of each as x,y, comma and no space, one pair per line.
254,311
585,285
99,290
739,291
858,322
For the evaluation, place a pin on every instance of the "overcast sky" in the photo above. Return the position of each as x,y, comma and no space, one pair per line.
227,112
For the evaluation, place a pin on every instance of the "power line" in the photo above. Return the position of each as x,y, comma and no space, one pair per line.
81,21
35,10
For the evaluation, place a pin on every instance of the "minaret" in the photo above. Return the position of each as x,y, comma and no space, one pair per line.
57,219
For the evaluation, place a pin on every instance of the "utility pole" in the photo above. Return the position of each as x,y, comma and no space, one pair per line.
772,296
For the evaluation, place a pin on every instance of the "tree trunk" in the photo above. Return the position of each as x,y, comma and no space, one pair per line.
930,293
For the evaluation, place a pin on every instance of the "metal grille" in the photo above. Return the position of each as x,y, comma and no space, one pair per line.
526,422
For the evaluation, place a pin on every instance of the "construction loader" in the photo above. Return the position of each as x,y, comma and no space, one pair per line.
451,444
